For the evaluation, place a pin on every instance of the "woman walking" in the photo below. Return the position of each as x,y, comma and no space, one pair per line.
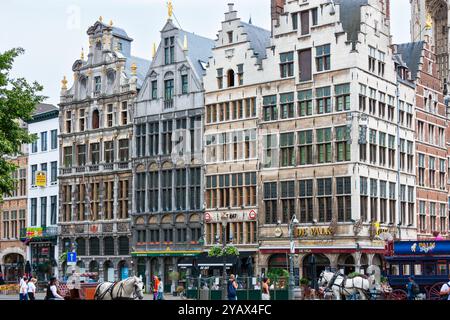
32,289
232,287
155,287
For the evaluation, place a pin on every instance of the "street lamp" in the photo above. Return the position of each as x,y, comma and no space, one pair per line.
224,219
292,223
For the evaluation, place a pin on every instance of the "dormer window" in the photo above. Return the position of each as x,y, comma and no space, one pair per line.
169,50
120,46
230,78
98,84
230,36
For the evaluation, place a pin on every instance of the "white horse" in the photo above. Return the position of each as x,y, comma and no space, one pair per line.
357,284
128,289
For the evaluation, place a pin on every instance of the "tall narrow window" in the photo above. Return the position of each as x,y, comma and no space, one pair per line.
324,154
343,146
153,191
109,151
169,50
44,141
323,100
44,211
323,58
54,138
270,108
287,200
324,199
294,18
304,62
304,19
154,89
287,64
270,202
343,197
342,92
305,147
184,84
306,201
230,78
287,105
305,104
287,150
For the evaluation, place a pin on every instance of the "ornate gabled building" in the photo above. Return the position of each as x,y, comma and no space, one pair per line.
233,85
337,139
96,129
431,139
168,171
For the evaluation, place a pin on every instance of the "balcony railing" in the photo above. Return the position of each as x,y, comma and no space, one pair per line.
122,165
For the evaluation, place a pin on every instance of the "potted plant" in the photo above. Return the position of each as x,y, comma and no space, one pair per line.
174,276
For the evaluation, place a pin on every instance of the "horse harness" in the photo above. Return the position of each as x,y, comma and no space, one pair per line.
110,290
341,287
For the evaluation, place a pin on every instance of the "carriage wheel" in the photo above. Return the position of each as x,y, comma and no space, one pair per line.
399,294
434,292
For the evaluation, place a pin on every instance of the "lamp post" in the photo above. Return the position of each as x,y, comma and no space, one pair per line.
292,223
224,219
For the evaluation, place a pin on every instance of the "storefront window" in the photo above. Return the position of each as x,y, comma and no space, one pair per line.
442,268
418,269
395,270
406,269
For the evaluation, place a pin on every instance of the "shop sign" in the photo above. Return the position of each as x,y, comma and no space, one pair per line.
216,217
34,233
41,179
313,232
421,247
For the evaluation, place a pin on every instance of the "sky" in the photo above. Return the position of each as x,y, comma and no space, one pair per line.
52,32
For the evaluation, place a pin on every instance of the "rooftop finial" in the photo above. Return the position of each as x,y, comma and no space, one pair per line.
82,54
185,43
100,19
154,51
64,83
111,23
250,20
133,69
170,9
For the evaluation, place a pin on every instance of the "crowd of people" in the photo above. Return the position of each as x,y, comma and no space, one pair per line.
27,289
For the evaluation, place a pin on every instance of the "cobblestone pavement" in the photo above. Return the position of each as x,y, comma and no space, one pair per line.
40,296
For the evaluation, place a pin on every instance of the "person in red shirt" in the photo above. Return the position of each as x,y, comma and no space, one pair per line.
155,287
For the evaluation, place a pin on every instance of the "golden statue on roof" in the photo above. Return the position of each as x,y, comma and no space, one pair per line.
429,22
64,83
170,8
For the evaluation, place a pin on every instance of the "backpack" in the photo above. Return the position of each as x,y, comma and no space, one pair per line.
415,288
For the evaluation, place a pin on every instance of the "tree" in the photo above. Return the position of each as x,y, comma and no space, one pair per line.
18,100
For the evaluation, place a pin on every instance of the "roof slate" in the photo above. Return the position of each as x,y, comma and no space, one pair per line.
259,39
411,53
199,50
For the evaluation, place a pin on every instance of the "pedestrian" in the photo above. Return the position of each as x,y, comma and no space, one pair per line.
2,280
155,287
412,288
445,290
265,289
52,290
23,289
232,286
160,289
32,289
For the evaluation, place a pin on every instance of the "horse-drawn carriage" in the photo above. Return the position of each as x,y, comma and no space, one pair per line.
427,260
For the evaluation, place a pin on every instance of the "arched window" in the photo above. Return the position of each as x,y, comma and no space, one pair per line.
94,247
230,78
124,246
83,87
108,244
111,78
81,246
95,119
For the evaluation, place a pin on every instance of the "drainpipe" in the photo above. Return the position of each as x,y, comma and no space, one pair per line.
398,156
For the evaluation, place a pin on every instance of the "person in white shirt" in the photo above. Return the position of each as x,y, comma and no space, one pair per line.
23,293
445,290
52,291
32,289
160,290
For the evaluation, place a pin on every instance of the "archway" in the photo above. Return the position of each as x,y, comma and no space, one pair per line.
123,270
230,78
313,265
94,267
346,263
95,119
108,271
13,264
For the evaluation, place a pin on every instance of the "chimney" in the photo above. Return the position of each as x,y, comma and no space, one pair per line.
277,8
231,14
388,9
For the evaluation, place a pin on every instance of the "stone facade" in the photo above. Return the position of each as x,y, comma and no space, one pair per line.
168,171
96,128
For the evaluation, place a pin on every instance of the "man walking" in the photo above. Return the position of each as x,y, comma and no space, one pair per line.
23,289
445,290
412,288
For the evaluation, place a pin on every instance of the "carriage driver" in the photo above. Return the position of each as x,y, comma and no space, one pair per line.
445,290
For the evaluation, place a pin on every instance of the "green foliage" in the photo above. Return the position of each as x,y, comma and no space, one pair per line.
174,276
18,99
63,257
276,274
383,279
217,251
304,281
355,274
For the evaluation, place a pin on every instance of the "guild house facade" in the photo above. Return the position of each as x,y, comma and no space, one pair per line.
96,128
168,171
337,139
